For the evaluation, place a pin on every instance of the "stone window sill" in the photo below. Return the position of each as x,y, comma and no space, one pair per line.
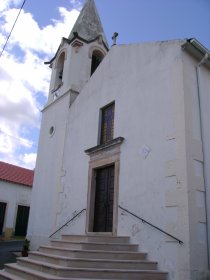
106,146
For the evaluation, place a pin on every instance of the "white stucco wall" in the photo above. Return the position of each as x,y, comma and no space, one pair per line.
46,185
205,115
197,147
147,87
13,195
146,81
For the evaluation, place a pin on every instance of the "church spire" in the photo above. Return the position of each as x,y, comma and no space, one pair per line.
88,25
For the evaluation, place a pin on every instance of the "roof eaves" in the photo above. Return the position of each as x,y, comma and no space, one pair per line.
17,183
196,49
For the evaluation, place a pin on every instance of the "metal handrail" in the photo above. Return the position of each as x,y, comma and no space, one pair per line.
144,221
67,222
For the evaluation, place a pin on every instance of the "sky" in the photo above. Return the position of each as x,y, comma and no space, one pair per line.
24,79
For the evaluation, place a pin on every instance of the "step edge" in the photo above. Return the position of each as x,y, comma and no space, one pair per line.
9,276
97,235
44,275
61,268
90,251
95,243
90,259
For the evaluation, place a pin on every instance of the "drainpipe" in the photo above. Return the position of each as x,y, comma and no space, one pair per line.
198,77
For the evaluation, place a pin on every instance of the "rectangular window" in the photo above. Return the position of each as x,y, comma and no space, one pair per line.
107,123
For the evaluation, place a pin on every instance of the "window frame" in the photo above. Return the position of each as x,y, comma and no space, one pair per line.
101,124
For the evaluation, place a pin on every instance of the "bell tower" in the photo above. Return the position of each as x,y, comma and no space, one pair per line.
79,55
75,61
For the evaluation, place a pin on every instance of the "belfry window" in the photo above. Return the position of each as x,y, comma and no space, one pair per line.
107,123
59,70
97,57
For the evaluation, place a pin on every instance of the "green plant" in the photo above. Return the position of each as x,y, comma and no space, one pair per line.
26,244
26,247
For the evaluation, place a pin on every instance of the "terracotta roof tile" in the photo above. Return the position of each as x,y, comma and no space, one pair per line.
16,174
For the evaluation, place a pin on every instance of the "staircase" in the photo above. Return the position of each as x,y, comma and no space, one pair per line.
85,258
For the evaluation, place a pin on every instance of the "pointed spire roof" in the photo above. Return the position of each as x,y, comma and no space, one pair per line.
88,25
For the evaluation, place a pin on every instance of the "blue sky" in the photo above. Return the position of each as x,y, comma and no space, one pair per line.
141,20
24,79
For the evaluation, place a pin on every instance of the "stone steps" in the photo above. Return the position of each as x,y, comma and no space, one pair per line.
31,272
90,263
95,245
93,254
38,276
83,258
96,238
15,272
4,275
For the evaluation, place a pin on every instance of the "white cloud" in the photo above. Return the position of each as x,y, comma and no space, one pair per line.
29,160
5,4
23,76
28,35
76,4
10,144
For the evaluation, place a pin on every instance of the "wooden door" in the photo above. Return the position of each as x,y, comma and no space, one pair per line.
104,198
22,220
2,215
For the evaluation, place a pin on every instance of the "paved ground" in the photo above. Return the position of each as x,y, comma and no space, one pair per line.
6,251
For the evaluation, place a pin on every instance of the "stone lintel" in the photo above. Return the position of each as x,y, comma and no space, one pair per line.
105,146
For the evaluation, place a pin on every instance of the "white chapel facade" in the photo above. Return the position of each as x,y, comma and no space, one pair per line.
126,131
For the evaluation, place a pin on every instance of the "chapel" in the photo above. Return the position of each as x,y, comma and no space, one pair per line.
124,147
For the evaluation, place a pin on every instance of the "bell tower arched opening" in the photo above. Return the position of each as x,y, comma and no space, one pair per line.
59,70
97,57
